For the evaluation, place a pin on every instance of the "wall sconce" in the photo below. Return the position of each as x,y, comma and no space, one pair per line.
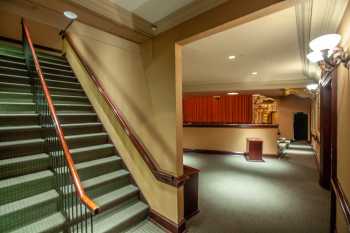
327,53
72,17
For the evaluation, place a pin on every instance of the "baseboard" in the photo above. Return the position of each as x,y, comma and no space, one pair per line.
166,223
222,152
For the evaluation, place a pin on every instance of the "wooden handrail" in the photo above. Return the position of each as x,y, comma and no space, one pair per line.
161,175
68,156
343,201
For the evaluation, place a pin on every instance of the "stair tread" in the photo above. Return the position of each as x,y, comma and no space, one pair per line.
54,221
107,223
16,93
96,162
101,179
21,142
81,124
25,178
21,127
86,135
116,195
28,202
52,63
69,96
13,62
22,159
16,103
15,84
88,148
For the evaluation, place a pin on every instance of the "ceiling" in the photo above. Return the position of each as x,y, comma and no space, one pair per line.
166,14
274,46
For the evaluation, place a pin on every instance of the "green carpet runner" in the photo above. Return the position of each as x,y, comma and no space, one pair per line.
29,201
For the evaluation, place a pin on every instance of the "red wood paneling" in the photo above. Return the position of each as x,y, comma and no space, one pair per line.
226,109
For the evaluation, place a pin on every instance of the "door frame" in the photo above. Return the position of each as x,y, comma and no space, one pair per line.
328,133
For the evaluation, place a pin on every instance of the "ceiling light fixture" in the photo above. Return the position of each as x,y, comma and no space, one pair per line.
254,73
70,15
233,93
328,54
312,87
232,57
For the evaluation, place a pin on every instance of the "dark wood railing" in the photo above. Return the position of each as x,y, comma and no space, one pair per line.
64,167
161,175
343,201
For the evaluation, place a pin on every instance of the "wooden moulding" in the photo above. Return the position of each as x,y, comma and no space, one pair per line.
159,174
240,126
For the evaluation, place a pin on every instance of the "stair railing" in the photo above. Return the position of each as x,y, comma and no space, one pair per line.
158,173
74,203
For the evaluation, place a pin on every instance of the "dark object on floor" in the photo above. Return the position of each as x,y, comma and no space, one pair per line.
300,126
191,192
254,150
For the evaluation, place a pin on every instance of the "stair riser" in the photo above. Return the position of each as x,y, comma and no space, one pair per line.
61,70
5,70
54,91
91,172
56,65
6,136
13,88
8,63
21,150
60,78
133,221
104,188
16,108
26,189
77,119
28,215
88,141
15,97
73,100
19,80
52,60
13,121
93,154
82,130
61,84
16,57
74,108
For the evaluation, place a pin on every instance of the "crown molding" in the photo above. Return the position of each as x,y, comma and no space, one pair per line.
241,86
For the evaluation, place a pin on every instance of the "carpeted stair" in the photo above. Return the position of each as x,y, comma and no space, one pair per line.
28,199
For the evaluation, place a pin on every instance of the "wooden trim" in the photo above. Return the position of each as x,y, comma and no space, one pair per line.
159,174
166,223
11,40
221,152
343,201
68,156
240,126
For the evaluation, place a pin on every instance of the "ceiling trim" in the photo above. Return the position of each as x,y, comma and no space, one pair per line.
239,86
186,13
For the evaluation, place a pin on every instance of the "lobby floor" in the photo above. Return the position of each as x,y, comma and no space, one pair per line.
236,196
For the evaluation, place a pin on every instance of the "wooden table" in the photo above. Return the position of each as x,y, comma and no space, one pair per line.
254,150
191,192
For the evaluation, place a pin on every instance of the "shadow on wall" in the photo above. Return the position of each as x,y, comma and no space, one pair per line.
132,105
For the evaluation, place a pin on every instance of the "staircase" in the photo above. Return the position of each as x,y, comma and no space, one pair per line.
29,201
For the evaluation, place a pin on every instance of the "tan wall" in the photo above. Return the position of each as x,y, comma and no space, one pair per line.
315,124
287,106
10,27
118,65
343,107
228,139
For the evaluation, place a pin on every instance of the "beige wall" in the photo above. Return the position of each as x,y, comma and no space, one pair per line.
315,124
10,27
228,139
343,147
287,106
119,67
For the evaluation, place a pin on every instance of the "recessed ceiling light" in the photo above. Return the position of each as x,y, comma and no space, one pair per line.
70,15
254,73
232,57
233,93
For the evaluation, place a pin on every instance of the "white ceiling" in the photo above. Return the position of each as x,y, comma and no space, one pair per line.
274,46
153,10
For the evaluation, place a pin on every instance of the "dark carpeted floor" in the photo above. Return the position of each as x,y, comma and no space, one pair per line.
278,196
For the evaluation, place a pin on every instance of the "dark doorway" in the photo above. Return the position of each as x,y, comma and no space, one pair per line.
300,126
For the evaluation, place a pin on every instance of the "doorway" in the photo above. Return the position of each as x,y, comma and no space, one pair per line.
300,126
